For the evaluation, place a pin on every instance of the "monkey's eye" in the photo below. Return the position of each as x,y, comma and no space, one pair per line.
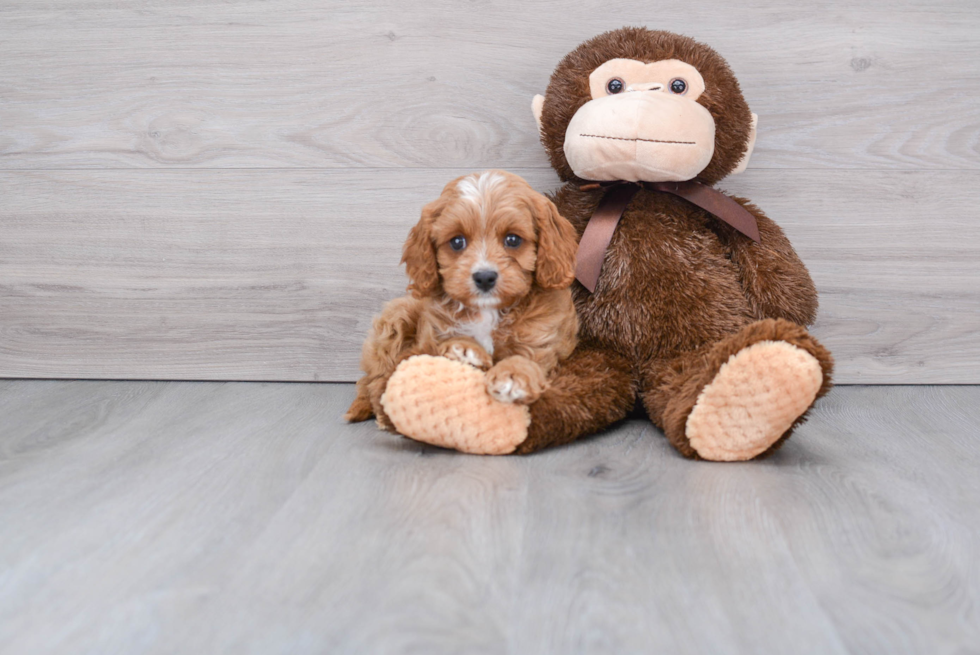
615,85
457,243
513,241
678,86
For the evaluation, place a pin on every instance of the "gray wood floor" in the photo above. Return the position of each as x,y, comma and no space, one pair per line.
207,517
218,189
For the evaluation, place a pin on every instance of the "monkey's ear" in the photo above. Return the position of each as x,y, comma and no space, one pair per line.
744,162
419,252
557,246
537,106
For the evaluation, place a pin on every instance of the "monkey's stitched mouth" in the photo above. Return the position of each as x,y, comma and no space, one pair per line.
620,138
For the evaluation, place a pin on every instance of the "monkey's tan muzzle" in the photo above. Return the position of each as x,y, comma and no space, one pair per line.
648,136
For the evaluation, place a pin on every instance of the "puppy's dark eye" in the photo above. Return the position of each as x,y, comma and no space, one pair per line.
513,241
457,243
615,85
678,86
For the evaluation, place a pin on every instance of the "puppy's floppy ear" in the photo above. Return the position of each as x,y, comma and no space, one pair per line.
557,245
419,253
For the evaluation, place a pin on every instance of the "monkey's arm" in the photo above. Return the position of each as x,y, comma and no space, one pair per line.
774,279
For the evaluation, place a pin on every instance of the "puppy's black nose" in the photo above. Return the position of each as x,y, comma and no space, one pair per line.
485,280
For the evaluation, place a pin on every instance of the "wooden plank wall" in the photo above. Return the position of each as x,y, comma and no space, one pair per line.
212,189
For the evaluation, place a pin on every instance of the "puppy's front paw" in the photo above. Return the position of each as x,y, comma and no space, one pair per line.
516,380
466,352
505,388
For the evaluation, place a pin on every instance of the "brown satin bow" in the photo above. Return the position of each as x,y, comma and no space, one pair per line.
598,233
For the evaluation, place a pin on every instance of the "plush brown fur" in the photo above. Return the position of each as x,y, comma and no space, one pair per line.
568,90
680,291
519,330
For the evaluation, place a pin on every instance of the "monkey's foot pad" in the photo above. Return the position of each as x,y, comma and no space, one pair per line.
753,400
445,403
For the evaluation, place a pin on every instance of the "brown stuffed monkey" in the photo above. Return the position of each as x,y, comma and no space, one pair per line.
689,300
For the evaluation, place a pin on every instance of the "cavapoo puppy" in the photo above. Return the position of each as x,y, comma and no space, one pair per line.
491,262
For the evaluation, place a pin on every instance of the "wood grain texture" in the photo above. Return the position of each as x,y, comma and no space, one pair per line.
235,518
394,83
276,274
163,260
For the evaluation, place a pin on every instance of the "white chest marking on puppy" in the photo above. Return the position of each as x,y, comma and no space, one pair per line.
482,329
